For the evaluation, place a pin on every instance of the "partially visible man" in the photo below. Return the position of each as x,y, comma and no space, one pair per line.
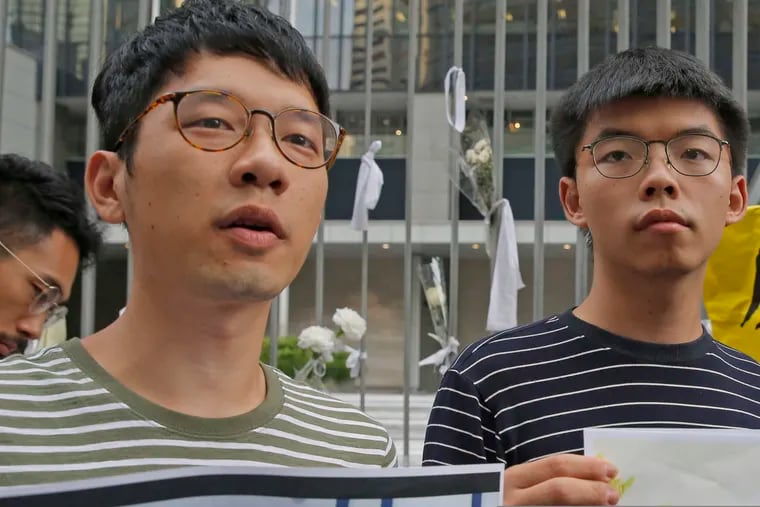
44,236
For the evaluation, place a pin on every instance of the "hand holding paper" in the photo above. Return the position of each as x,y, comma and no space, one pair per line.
564,479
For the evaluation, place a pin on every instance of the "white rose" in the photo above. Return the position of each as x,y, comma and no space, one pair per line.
435,296
319,339
470,156
351,323
480,145
484,157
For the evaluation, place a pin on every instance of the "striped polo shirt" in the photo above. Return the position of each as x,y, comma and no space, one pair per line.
527,393
63,417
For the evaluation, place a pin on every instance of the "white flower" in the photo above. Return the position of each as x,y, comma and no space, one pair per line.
319,339
480,145
470,156
351,323
484,157
435,296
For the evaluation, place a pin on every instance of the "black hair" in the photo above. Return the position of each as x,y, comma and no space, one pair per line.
133,73
35,199
646,72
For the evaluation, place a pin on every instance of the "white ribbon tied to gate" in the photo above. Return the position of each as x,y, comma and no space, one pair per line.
353,362
506,280
445,356
460,89
369,184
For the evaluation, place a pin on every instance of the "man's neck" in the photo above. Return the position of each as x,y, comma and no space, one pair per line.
657,309
193,356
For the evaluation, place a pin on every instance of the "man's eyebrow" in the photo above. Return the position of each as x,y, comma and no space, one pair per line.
701,129
613,131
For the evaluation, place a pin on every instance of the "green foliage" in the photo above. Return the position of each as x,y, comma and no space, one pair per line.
290,357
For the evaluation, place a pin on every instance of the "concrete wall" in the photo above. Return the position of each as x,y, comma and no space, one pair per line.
19,105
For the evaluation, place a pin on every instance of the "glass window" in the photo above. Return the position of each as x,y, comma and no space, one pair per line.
721,43
387,126
753,46
435,53
643,23
520,69
602,30
562,45
479,43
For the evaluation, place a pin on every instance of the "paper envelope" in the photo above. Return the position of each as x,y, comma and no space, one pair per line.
681,466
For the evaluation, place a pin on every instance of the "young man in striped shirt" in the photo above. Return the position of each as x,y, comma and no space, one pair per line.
652,147
217,150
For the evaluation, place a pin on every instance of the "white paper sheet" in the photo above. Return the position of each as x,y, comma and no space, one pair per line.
681,466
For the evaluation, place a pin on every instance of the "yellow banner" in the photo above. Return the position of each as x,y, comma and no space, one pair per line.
732,286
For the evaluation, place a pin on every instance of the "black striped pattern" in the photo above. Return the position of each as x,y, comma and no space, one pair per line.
528,392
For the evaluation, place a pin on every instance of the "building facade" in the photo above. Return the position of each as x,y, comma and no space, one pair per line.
416,157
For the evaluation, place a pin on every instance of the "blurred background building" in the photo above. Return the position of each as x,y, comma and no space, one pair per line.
45,113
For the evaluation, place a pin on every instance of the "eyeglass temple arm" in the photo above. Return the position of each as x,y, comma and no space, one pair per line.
38,277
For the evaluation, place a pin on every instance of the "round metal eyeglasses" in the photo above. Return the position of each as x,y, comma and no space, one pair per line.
47,298
624,156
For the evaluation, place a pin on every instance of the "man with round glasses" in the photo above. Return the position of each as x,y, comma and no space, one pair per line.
44,236
217,147
652,147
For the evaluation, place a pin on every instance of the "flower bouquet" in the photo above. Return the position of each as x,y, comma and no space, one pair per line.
474,177
434,284
323,342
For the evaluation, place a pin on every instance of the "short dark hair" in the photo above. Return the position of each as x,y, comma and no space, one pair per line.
645,72
35,199
133,73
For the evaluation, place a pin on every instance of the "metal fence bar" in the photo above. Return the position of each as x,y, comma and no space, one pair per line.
409,320
740,36
368,52
702,30
143,14
320,251
581,248
500,49
539,196
454,190
49,72
3,35
624,25
92,143
663,23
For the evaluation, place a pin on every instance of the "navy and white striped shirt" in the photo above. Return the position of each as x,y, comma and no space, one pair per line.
527,393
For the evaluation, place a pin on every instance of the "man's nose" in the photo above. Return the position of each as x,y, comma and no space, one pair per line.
30,327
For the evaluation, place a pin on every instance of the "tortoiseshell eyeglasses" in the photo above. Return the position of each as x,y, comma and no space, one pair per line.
213,120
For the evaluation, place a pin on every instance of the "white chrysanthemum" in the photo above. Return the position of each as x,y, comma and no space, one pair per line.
484,156
480,145
351,323
435,296
471,157
319,339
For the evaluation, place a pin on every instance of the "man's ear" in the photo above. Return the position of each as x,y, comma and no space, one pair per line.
104,181
571,202
737,200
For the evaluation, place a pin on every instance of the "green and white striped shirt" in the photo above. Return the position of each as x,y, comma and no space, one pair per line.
63,417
